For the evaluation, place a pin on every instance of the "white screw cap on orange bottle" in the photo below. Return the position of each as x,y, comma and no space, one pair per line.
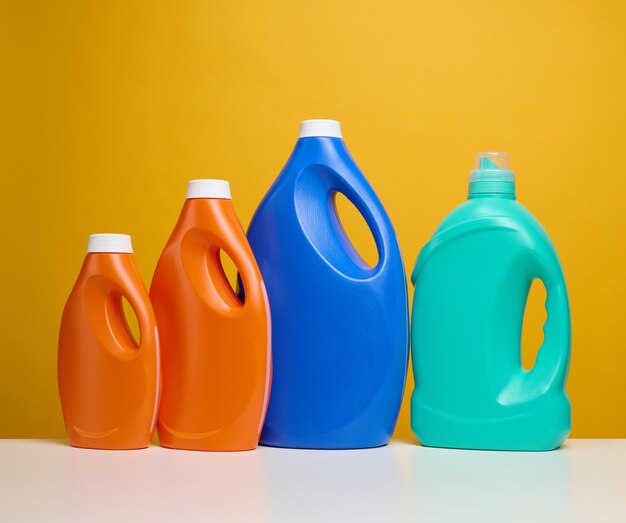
109,243
329,128
208,188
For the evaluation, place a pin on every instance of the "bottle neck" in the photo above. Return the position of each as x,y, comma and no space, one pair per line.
491,189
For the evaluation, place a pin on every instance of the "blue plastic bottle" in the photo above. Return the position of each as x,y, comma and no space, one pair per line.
471,283
339,327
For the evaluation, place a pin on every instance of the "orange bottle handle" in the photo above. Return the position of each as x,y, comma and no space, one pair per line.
237,247
200,253
138,301
107,291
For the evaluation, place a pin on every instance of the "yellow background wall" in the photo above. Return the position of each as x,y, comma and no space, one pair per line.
108,108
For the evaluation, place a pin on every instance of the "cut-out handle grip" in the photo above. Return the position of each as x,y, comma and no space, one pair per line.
552,362
138,300
368,205
112,280
315,188
553,357
201,257
236,246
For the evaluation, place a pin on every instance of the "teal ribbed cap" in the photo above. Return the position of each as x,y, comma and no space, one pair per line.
492,167
492,175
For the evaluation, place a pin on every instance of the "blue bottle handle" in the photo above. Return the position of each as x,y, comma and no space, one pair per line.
367,204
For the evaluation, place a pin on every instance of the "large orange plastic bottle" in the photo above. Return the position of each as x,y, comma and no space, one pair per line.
216,356
109,384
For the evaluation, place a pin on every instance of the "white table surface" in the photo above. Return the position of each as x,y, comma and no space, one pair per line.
43,480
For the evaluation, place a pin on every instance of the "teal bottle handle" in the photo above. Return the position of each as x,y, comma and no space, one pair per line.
552,362
553,358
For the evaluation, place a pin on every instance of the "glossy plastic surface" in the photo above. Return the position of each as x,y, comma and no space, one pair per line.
340,327
471,284
216,350
109,385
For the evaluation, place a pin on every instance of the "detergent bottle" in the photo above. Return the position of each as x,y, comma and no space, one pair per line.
109,383
471,281
216,343
340,327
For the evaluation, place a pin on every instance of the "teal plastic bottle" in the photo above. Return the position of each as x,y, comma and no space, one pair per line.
471,284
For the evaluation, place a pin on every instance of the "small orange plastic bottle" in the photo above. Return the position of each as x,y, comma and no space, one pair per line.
216,356
109,384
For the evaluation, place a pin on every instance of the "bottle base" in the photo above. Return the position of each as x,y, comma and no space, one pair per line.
320,447
205,448
104,446
226,440
278,440
537,430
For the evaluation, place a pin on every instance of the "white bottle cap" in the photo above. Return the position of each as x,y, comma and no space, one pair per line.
208,189
330,128
109,243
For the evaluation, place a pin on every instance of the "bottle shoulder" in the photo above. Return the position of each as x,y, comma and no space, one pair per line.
329,153
483,218
498,229
110,266
511,213
316,167
216,218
